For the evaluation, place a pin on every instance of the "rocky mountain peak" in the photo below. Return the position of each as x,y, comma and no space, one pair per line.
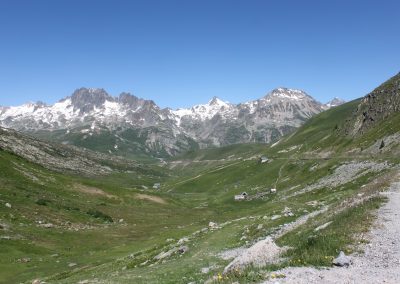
86,99
129,99
288,94
215,101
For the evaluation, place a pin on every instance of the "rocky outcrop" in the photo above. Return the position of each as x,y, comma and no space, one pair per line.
375,107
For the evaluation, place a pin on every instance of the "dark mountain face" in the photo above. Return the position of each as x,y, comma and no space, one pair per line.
85,100
375,107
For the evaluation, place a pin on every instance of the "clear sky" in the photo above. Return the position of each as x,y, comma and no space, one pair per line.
181,53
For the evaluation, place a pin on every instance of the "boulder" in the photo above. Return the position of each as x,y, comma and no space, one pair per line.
342,260
183,249
275,217
48,225
183,240
213,225
166,254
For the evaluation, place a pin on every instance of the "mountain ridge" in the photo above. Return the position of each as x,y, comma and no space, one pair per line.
161,132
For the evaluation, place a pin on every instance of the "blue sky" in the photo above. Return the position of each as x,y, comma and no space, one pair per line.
181,53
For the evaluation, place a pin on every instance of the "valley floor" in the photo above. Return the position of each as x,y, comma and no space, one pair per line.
380,262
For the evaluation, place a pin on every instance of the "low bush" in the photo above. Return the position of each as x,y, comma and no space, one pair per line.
100,215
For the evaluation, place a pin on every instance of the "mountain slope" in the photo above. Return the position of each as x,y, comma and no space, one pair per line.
67,159
376,107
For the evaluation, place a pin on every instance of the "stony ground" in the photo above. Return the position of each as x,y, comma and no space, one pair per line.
380,262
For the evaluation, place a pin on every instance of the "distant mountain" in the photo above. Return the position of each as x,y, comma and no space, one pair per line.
334,103
264,120
130,126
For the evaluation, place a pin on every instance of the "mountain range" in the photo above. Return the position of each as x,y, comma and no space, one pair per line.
134,127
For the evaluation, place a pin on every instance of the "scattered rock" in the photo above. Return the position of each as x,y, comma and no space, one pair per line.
260,226
166,254
37,281
121,220
213,225
205,270
24,260
313,203
183,249
275,217
287,212
8,205
342,260
182,241
322,227
4,227
72,264
48,225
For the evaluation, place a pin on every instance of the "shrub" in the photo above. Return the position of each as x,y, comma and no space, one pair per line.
382,144
100,215
42,202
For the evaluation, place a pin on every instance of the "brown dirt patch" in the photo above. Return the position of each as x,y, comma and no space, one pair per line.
152,198
92,190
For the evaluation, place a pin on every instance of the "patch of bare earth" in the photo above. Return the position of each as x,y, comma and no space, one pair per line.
92,190
152,198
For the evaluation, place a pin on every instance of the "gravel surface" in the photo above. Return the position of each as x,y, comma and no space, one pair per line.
380,262
343,174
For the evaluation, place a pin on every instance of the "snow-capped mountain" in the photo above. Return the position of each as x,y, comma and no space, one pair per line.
132,126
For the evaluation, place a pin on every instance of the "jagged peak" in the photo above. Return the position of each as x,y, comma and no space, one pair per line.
216,101
90,92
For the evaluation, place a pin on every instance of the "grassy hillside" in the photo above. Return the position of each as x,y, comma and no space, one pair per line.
50,220
116,228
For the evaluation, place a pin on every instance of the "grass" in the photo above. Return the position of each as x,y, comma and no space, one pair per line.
196,188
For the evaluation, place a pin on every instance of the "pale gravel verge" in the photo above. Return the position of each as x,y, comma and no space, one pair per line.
343,174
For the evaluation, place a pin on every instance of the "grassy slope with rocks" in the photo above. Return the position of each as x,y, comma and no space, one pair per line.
326,182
